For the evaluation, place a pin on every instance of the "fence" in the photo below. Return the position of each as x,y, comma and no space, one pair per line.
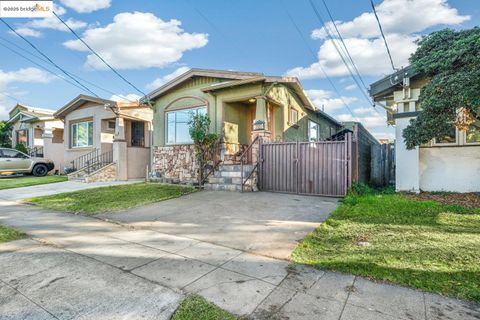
311,168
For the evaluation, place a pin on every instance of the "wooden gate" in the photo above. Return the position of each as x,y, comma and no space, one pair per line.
311,168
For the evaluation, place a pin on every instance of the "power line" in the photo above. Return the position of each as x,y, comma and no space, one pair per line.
383,35
49,60
347,52
344,45
98,56
315,58
48,70
40,66
337,48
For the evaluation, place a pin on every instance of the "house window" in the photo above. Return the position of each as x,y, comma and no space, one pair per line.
293,116
177,125
473,133
450,138
313,131
22,137
138,134
82,134
111,124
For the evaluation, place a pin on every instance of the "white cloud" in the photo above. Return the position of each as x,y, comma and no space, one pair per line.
366,110
397,17
27,32
323,100
28,29
351,87
125,98
402,21
162,80
370,122
25,75
138,40
369,56
85,6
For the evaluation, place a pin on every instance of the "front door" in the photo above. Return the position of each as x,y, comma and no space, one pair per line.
138,134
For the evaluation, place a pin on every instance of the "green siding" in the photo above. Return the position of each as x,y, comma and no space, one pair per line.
222,107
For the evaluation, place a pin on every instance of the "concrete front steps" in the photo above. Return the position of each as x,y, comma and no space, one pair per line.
104,172
228,177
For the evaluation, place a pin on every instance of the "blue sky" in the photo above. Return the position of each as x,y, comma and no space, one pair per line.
151,41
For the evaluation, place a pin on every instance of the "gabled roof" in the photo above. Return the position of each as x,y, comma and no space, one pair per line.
80,100
234,78
221,74
29,113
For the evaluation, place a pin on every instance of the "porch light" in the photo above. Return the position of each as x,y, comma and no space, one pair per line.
252,100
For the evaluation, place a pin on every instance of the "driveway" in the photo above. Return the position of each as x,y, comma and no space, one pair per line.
77,267
268,224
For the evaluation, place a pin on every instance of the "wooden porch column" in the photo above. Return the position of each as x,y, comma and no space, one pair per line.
260,123
120,149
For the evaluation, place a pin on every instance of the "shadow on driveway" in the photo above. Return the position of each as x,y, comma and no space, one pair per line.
270,224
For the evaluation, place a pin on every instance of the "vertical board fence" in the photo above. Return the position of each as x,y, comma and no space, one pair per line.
323,168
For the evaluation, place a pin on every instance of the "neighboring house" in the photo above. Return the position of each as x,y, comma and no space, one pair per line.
241,106
451,163
39,131
104,139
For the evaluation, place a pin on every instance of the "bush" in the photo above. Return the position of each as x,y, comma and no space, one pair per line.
21,147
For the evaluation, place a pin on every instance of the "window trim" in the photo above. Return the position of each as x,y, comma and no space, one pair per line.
76,123
469,143
309,130
165,120
443,144
290,120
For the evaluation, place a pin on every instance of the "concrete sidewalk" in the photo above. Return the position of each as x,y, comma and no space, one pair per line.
78,267
17,194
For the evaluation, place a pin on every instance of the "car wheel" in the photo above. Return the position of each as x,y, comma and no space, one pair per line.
40,170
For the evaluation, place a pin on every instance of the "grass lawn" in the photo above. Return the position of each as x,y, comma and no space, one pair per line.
196,308
392,237
26,181
113,198
9,234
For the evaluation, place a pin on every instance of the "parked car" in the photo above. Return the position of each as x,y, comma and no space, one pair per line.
18,162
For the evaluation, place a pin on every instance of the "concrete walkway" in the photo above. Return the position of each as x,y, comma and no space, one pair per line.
16,194
77,267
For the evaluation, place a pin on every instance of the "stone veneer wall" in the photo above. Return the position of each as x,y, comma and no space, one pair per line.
107,173
176,164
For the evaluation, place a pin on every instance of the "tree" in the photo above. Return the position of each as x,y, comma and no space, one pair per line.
205,143
451,61
22,148
5,134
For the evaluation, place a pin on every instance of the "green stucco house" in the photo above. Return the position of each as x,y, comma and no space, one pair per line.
241,106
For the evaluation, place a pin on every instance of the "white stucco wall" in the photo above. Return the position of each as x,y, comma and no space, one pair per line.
406,161
450,169
100,139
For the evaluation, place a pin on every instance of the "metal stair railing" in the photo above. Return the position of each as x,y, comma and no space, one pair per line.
99,162
247,158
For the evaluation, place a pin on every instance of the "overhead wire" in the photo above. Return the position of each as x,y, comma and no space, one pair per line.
48,58
338,49
48,70
383,35
332,84
99,56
